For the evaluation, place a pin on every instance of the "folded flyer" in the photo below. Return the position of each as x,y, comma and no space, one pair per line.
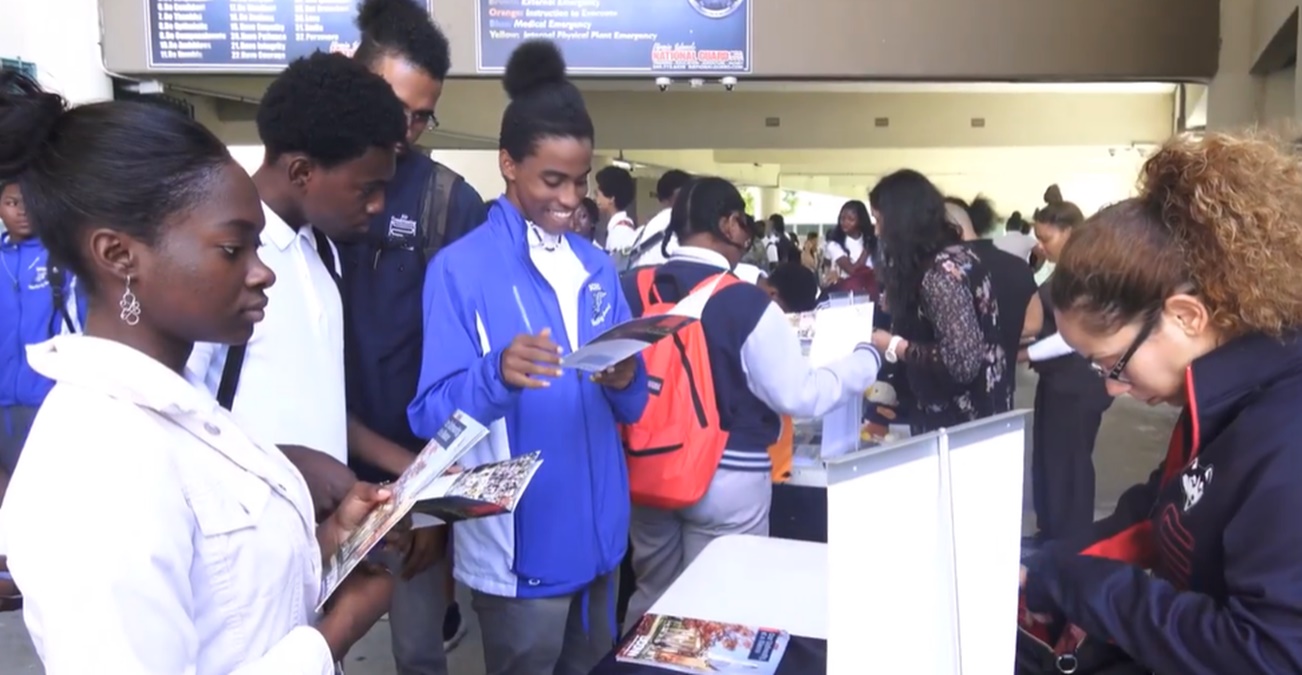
486,490
458,434
685,645
631,337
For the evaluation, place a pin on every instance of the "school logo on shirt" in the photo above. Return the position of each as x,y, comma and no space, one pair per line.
1194,482
40,276
715,9
600,303
402,229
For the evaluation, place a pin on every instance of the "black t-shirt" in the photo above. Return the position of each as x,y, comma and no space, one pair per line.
1014,285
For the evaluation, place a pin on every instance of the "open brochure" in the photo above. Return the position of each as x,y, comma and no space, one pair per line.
631,337
458,434
486,490
833,332
687,645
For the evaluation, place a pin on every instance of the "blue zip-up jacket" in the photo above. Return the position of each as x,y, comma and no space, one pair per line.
1217,525
571,527
27,305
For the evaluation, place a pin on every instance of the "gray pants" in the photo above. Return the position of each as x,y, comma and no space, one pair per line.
666,542
416,616
15,422
546,636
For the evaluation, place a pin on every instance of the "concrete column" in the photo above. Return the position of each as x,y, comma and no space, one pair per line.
1234,94
770,202
62,37
1297,84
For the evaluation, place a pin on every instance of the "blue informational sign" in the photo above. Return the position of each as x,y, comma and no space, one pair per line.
614,37
245,35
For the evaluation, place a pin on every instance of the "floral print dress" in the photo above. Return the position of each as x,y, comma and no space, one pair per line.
955,367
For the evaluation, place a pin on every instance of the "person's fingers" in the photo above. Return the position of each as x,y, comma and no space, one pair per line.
369,493
531,368
535,353
516,374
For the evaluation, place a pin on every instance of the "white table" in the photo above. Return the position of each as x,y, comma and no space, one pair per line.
755,581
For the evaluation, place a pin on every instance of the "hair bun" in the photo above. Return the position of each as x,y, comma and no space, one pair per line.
1053,195
28,115
372,14
534,64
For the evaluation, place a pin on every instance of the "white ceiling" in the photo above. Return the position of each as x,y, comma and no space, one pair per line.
777,86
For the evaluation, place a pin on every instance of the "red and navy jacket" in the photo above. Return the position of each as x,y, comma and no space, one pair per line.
1219,525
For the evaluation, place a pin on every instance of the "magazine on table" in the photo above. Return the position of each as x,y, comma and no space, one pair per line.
486,490
631,337
457,435
685,645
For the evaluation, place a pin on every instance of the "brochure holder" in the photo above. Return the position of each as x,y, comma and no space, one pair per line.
923,551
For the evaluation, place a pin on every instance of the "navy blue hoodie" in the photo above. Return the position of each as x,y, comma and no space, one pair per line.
1219,525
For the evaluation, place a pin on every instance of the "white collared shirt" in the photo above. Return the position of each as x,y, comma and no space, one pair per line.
564,272
1017,243
621,233
150,534
654,255
291,390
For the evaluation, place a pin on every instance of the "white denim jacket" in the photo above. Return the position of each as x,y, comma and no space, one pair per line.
150,535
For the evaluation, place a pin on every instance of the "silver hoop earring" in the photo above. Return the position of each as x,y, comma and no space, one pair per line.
130,313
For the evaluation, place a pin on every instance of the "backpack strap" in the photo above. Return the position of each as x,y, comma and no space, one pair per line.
327,253
646,287
58,280
728,279
434,214
231,375
637,251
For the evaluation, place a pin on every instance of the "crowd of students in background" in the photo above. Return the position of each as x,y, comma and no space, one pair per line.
243,361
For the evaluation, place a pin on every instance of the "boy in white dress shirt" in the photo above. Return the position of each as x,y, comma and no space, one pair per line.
330,128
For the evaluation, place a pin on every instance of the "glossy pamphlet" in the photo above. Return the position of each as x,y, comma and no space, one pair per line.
457,435
685,645
486,490
631,337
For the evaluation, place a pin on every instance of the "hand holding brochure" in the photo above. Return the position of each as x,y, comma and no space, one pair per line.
631,337
458,434
487,490
687,645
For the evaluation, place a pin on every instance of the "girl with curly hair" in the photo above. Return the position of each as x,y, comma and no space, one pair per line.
1187,295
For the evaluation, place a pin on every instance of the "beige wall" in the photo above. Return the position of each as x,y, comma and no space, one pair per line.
1256,84
470,114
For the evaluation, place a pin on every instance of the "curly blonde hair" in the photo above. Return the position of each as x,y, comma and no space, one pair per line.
1218,216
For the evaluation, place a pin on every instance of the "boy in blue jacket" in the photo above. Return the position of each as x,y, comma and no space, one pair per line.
35,306
501,305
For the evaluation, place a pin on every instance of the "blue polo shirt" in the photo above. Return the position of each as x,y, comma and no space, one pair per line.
382,281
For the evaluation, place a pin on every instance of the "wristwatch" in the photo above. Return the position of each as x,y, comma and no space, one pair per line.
891,356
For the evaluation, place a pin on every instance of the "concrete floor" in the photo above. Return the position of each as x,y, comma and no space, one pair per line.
1130,445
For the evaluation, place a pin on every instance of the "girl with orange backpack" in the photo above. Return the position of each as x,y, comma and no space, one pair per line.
698,459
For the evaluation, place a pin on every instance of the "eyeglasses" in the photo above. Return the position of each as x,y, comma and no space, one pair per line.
422,118
1115,373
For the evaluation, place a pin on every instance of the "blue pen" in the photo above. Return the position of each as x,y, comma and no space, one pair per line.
523,314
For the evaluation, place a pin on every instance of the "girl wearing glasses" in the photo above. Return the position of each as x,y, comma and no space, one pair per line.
1188,295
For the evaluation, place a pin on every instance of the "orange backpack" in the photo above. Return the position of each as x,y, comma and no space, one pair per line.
782,453
674,450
